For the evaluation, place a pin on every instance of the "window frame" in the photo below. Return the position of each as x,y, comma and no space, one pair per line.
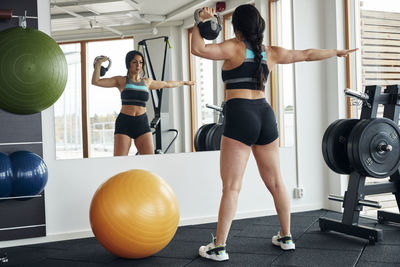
191,78
349,60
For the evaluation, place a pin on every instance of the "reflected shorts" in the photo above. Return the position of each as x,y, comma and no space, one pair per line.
132,126
250,121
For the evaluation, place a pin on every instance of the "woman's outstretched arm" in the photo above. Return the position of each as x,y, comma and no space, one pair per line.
281,55
152,84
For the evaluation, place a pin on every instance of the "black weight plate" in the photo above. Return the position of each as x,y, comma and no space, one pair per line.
334,145
354,135
217,136
200,137
213,139
208,143
337,143
325,144
370,160
379,163
378,154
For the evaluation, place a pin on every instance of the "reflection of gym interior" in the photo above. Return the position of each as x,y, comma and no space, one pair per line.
339,140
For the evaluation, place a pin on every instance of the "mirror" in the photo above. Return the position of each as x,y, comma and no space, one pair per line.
113,27
86,29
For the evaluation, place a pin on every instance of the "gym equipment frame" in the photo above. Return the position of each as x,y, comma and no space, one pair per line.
353,200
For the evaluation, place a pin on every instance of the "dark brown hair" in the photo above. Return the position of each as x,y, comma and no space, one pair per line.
247,20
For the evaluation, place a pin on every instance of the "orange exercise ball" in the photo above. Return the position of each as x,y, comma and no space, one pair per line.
134,214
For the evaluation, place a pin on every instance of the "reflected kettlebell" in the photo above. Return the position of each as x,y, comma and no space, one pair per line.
210,29
103,70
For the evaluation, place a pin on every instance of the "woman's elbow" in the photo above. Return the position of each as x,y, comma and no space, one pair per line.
195,51
199,51
95,82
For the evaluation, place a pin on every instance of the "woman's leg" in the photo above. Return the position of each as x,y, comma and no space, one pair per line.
267,157
144,144
233,160
122,144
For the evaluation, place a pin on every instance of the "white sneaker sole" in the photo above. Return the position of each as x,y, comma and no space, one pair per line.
203,253
284,246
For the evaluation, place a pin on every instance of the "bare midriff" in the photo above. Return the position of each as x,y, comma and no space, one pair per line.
244,93
133,110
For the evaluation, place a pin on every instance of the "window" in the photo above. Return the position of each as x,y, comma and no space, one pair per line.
379,39
282,78
85,114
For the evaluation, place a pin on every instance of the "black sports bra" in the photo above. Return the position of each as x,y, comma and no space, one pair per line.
135,93
243,76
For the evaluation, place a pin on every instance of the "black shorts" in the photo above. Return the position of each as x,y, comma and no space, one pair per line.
250,121
132,126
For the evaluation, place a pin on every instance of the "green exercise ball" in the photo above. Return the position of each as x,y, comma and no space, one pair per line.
33,71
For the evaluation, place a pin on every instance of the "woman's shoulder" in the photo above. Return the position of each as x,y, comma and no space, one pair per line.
234,45
121,81
119,77
147,81
233,41
268,49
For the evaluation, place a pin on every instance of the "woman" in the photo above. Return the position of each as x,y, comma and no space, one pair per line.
246,67
132,122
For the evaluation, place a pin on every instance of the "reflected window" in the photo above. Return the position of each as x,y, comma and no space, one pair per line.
104,104
85,114
67,109
203,73
228,28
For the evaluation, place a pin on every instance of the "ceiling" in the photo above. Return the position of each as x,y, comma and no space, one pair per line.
118,17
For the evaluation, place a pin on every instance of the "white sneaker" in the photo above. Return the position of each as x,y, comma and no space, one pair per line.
212,252
285,242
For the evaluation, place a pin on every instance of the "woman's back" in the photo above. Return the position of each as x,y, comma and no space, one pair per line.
239,71
245,76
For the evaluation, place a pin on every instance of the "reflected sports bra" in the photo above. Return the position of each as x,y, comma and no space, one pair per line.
135,93
243,76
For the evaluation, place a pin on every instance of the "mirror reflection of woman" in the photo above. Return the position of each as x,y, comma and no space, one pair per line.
132,121
250,124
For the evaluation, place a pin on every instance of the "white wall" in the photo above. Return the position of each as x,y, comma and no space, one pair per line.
308,21
335,84
319,93
195,176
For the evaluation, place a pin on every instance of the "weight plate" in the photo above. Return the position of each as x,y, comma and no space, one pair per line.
334,145
200,137
368,140
213,138
350,143
325,144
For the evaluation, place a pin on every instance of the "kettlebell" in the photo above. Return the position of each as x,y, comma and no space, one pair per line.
210,29
103,70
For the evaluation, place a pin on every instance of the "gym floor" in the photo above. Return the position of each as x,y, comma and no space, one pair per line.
249,244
